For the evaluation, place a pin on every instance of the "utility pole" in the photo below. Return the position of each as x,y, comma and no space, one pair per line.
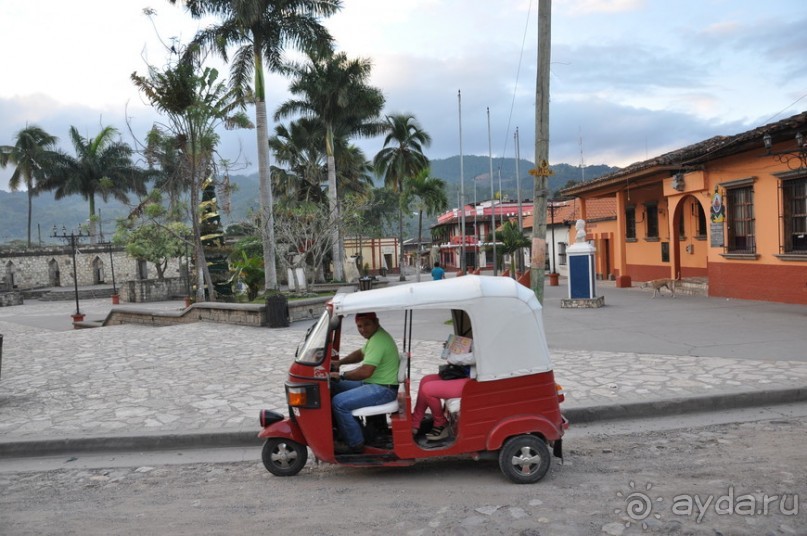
462,190
520,260
492,199
541,172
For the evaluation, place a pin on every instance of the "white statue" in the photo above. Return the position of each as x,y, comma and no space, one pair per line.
581,230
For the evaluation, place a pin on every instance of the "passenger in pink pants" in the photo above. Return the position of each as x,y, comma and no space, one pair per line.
431,392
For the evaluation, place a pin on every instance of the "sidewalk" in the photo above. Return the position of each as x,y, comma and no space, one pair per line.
203,384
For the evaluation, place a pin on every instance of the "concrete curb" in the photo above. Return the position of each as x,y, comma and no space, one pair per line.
683,405
249,438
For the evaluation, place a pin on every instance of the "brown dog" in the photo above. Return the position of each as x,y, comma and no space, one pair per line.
658,284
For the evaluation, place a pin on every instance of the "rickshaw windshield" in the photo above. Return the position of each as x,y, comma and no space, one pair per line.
313,347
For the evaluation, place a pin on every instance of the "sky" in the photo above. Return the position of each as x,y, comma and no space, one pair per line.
629,79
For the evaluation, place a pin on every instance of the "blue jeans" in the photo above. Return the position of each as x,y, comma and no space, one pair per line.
350,395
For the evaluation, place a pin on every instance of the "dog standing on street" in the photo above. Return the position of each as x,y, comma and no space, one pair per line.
658,284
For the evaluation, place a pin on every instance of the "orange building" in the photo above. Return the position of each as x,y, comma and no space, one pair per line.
601,227
731,210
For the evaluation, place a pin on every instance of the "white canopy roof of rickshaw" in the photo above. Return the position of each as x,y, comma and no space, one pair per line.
508,328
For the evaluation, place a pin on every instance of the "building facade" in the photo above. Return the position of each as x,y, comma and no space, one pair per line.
731,210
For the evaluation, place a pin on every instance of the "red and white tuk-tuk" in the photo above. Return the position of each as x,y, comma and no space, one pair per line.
510,407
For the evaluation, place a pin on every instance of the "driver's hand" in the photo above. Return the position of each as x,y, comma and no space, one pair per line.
335,377
334,364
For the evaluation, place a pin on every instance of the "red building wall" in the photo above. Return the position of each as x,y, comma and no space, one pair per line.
755,281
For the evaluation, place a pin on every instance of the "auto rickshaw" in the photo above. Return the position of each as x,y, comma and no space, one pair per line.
510,408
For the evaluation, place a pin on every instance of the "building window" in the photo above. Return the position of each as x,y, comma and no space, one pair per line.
630,223
682,231
562,253
794,196
652,220
701,231
740,220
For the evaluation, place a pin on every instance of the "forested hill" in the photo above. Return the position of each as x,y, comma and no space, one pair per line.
476,169
73,210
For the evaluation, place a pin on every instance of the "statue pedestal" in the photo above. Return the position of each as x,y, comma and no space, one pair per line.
582,291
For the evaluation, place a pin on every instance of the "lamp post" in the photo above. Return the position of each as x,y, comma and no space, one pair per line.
797,156
78,316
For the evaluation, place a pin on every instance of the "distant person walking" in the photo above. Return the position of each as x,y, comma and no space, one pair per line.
437,272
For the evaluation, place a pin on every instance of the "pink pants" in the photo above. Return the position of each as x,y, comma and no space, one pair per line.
430,394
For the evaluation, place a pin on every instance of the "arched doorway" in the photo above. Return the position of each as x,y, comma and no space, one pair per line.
689,238
97,271
10,270
54,276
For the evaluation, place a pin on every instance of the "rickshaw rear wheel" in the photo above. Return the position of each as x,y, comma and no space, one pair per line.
524,459
284,457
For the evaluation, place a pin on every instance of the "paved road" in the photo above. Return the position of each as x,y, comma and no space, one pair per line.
636,356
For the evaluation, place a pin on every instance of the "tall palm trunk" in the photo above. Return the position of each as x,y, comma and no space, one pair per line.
420,241
400,234
93,238
267,202
333,203
30,205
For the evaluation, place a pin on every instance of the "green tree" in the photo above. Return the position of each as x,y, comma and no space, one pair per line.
32,153
195,104
402,157
260,30
512,240
246,264
429,196
298,147
102,166
153,242
333,90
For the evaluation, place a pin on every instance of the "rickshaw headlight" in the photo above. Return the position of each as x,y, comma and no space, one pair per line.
268,417
561,392
302,395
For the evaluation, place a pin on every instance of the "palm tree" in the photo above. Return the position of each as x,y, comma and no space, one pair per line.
32,154
196,104
102,166
402,157
512,240
430,195
298,147
333,90
260,30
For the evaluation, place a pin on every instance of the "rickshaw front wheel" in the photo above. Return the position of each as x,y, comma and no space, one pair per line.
284,457
524,459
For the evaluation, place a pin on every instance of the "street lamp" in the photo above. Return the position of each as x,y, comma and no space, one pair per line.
78,316
797,155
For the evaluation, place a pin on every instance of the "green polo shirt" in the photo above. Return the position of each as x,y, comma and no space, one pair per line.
381,351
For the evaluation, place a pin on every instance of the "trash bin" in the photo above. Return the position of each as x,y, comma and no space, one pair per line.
277,311
365,283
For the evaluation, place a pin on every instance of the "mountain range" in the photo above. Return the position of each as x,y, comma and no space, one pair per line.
72,211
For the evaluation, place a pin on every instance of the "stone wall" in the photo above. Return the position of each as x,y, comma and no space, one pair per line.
53,267
10,298
227,313
151,290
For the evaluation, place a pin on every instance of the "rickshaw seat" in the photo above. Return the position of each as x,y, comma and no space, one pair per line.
389,407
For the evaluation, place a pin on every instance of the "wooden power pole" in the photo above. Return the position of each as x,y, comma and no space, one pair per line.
541,172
